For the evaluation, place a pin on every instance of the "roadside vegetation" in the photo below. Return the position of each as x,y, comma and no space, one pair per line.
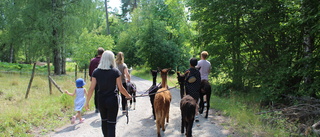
42,112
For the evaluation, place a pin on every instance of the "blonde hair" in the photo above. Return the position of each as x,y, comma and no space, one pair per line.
107,60
204,54
120,58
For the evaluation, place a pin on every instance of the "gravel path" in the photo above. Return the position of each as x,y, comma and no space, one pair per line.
141,123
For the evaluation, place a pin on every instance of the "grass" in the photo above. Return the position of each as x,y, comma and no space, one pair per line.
244,119
40,112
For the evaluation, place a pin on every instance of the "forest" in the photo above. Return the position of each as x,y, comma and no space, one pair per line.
269,47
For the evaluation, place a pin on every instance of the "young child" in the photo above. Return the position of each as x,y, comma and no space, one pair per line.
193,83
80,99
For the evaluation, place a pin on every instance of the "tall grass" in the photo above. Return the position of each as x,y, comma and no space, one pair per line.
243,111
40,112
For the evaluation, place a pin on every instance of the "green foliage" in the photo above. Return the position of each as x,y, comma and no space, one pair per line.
87,46
17,67
258,44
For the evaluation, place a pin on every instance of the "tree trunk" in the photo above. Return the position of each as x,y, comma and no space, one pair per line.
107,17
237,65
11,53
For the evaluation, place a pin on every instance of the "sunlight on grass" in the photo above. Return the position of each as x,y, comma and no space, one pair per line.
244,118
40,112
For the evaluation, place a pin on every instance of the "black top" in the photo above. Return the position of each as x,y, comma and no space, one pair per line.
107,81
193,89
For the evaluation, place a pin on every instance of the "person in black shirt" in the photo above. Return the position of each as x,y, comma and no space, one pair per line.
193,83
108,79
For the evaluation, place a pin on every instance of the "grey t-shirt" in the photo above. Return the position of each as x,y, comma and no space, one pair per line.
205,69
121,67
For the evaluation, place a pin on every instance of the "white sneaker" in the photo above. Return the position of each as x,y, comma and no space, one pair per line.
196,118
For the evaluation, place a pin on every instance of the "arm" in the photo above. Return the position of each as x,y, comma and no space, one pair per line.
122,89
126,73
90,92
71,94
85,92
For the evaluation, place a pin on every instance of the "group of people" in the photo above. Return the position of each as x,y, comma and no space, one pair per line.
198,71
109,76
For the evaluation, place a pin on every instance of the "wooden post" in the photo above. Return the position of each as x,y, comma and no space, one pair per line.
31,79
48,65
85,72
75,73
54,83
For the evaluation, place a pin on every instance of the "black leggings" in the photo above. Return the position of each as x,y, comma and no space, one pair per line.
123,98
96,103
108,107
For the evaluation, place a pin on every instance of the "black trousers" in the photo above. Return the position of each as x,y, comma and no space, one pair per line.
123,98
96,102
108,107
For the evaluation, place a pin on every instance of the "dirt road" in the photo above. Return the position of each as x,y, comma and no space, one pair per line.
141,123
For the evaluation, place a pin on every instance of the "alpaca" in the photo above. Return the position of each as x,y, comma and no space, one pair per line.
162,102
181,81
205,90
188,111
132,89
152,90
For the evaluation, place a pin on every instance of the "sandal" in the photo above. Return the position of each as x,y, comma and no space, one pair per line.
73,119
81,120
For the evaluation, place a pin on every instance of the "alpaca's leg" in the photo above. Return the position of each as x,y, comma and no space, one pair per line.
208,104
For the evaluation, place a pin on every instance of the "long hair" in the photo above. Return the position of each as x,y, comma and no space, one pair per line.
120,58
107,61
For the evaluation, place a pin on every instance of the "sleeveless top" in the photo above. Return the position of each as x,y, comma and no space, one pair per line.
80,99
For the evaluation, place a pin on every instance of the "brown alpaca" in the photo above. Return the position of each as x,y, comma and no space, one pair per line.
162,102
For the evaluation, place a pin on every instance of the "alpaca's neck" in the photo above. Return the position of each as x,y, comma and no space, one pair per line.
164,81
154,80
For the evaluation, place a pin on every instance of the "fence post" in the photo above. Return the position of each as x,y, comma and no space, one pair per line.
85,72
48,65
31,79
76,72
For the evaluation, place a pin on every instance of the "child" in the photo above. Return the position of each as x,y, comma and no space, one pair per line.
193,82
80,99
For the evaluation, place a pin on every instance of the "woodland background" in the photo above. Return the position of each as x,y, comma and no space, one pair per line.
266,47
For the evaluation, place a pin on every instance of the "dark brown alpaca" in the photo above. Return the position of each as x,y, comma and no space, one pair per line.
153,89
205,90
181,79
162,102
188,111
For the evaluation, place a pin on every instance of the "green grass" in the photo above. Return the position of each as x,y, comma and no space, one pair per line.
40,112
243,111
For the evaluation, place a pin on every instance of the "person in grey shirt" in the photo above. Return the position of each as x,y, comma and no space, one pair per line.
125,78
205,68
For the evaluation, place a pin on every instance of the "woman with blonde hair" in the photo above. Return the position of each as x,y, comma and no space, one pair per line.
107,77
125,77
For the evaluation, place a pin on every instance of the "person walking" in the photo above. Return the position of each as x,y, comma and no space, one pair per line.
108,77
125,78
80,99
205,67
193,82
93,65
